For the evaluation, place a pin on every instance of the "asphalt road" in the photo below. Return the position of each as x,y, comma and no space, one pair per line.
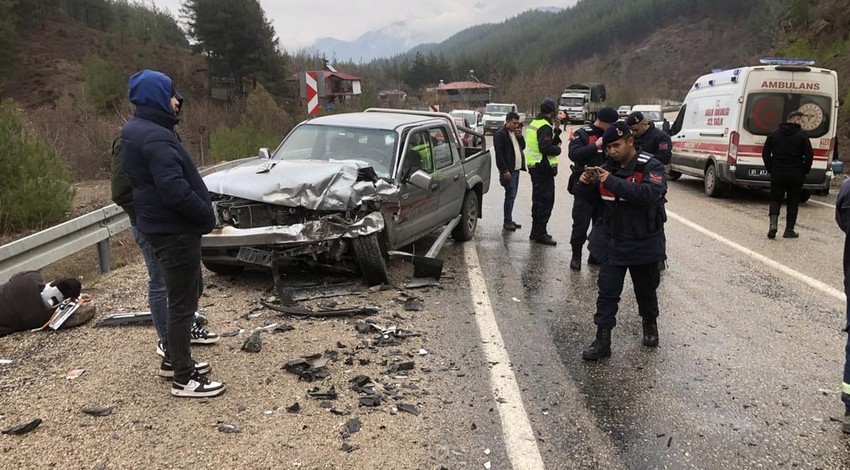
749,368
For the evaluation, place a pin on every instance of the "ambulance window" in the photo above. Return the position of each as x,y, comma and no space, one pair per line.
680,118
765,111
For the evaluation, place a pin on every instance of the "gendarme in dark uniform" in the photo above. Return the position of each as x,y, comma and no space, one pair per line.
650,139
542,147
586,150
630,235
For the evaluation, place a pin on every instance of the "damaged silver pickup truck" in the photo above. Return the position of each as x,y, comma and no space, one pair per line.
342,190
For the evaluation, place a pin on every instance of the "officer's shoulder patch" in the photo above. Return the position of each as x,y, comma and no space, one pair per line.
664,145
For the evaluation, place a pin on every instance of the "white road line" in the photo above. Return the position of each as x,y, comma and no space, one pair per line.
516,427
821,203
821,286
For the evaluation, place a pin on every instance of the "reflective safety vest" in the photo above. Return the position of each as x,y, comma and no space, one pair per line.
532,148
424,152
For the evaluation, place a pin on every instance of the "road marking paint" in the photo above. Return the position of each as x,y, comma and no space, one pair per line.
822,203
516,427
821,286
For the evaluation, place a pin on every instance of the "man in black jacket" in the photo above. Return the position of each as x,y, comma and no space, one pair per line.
787,156
508,143
173,211
586,150
649,139
630,188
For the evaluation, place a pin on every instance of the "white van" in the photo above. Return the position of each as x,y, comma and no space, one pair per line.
721,127
651,112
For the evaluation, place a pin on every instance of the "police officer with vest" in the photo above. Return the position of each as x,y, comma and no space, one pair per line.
630,189
542,140
586,150
650,139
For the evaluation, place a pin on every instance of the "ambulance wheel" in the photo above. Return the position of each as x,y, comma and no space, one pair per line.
673,175
805,195
713,186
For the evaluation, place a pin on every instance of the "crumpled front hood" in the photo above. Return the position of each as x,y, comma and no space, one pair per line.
315,185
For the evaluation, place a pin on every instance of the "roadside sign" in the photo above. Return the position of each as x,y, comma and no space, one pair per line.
312,93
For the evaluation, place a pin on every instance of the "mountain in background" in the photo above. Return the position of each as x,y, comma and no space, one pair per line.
388,41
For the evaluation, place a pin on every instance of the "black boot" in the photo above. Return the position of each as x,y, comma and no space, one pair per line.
575,261
790,233
650,333
601,346
774,223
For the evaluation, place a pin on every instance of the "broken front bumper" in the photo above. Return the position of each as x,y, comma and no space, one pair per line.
314,231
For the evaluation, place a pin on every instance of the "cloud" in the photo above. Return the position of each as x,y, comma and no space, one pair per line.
298,24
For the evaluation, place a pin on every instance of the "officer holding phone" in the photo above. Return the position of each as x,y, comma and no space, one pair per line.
630,190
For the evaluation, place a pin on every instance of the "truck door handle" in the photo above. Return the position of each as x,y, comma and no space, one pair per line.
457,177
434,186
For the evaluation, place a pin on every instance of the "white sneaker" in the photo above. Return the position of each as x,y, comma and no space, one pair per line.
167,370
199,335
160,351
198,387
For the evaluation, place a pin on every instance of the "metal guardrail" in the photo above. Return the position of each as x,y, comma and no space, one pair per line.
95,228
48,246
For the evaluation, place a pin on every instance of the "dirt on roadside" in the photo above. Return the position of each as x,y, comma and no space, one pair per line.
148,428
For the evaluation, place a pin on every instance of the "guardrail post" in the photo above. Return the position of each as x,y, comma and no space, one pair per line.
104,256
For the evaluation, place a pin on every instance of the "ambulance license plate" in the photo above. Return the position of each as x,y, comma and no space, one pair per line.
758,172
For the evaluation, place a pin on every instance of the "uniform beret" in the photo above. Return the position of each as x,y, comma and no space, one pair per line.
616,131
634,118
608,115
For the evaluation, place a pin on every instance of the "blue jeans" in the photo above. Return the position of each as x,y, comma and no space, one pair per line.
511,187
180,257
157,294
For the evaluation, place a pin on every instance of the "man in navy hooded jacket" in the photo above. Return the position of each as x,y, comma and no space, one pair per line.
173,211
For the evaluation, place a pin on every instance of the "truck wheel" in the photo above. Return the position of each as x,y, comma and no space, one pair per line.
805,195
713,186
223,269
673,175
370,259
468,218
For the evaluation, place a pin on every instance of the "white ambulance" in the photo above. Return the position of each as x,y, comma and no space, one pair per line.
721,127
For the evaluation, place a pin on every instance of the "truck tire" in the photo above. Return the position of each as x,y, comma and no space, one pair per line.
465,229
223,269
713,186
673,175
370,259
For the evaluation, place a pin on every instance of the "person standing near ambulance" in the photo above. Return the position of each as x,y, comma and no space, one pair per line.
542,147
649,139
787,155
586,150
630,188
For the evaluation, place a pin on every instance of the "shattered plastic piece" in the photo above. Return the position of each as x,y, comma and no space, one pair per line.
404,366
515,299
348,447
23,428
413,305
98,410
284,327
372,400
254,343
131,318
329,395
308,368
363,328
228,428
298,311
4,362
419,282
423,352
236,332
340,345
326,290
295,408
353,425
487,465
325,405
486,451
75,374
360,382
408,408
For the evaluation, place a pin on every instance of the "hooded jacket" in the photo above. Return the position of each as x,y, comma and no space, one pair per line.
787,151
169,195
21,305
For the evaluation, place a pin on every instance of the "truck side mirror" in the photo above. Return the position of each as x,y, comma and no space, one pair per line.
420,179
264,153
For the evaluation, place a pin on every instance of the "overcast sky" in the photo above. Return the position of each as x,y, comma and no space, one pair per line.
299,23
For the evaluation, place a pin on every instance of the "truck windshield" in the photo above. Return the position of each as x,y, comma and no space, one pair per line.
765,111
497,109
652,115
312,142
572,102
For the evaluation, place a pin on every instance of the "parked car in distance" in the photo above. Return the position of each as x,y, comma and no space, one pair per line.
651,112
624,111
342,190
495,113
474,119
